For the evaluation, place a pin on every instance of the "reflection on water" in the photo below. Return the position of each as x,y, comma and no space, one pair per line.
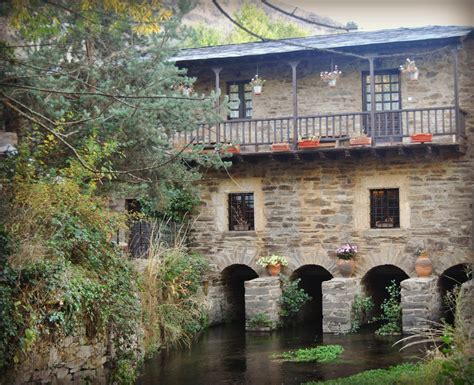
229,355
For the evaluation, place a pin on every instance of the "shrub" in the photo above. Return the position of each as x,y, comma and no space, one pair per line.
292,298
260,320
391,311
361,312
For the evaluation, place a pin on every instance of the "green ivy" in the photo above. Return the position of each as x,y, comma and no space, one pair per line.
361,312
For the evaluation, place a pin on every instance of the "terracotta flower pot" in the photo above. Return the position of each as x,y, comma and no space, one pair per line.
281,147
308,143
423,266
274,270
421,138
346,267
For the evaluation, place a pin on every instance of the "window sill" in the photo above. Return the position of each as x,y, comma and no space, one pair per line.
236,233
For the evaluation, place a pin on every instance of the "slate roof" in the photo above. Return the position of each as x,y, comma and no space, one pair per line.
351,39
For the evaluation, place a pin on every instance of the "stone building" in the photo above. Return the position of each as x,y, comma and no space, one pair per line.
389,192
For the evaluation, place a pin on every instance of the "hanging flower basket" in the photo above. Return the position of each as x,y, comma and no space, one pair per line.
421,138
257,84
281,147
308,143
361,141
331,77
410,69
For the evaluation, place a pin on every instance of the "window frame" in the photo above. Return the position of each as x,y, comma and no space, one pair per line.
242,106
384,209
248,210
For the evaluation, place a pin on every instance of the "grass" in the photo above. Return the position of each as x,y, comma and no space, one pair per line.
324,353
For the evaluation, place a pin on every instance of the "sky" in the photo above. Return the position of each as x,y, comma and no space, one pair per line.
382,14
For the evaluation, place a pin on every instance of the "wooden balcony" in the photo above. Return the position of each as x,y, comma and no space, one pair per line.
444,126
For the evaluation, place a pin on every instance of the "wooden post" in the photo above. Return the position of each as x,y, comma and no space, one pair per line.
217,71
456,94
294,91
372,99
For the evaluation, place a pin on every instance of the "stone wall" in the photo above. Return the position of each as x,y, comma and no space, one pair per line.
72,361
467,313
261,297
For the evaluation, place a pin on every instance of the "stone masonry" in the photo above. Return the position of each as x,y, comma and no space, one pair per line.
338,297
421,302
261,297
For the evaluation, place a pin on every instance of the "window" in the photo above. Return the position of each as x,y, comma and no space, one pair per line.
240,100
241,212
384,208
387,98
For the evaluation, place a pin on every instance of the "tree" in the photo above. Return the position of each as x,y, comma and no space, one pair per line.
251,17
97,96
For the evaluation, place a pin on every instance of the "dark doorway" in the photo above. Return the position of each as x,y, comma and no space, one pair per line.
377,279
234,277
312,277
449,282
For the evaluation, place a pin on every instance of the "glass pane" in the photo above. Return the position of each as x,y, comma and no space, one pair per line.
386,88
386,78
234,105
394,78
233,97
378,97
395,96
378,106
234,88
248,87
378,88
369,107
394,87
248,95
368,88
248,104
396,106
234,114
369,97
386,97
386,106
248,113
367,79
378,78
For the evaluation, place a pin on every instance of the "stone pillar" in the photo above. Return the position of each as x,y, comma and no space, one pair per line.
466,313
261,300
421,303
338,297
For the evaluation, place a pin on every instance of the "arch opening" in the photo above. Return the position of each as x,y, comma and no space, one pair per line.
233,278
311,279
377,279
448,283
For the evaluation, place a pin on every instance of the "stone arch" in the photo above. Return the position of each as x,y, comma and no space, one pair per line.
312,276
443,263
237,256
450,278
377,279
233,278
311,258
389,255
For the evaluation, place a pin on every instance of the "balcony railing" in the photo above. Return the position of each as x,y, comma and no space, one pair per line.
256,135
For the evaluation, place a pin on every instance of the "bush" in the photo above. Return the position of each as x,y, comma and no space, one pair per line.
391,312
361,312
293,297
260,320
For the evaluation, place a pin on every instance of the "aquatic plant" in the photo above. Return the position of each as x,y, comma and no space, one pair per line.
292,297
323,353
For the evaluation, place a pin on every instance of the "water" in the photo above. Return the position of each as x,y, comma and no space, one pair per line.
229,355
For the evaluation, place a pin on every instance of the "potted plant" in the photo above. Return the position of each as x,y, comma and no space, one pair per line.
346,259
361,140
281,146
410,68
423,264
311,142
331,77
230,148
241,222
421,138
273,263
257,84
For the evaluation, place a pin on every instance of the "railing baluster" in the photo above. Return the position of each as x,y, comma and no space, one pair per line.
451,121
436,120
443,121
